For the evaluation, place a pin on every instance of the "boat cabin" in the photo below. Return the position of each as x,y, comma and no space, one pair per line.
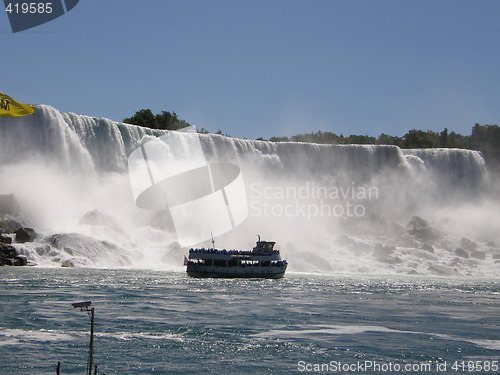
264,247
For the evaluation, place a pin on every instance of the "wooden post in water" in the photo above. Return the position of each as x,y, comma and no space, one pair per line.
58,368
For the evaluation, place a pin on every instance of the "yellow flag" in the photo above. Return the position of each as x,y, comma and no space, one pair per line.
9,107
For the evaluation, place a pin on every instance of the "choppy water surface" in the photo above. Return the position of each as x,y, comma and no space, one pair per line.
151,322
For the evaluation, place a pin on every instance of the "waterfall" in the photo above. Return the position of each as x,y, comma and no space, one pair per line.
100,145
331,207
457,167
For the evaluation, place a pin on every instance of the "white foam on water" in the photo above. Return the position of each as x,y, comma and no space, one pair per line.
18,336
127,336
361,329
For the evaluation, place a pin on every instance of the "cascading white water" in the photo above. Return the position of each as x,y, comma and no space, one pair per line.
332,208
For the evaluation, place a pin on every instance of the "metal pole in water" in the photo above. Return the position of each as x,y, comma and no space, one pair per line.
84,306
91,345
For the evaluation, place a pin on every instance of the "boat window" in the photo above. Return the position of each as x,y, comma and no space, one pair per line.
219,263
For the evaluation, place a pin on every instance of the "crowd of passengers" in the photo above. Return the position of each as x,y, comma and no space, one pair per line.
232,252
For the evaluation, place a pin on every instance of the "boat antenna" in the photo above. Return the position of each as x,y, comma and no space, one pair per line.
259,237
213,242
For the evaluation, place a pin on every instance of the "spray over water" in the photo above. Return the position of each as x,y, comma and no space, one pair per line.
331,208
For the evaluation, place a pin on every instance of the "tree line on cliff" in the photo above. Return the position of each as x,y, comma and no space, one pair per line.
483,137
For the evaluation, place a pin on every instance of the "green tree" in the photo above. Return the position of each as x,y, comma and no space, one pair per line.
170,121
485,137
420,139
443,138
203,131
279,139
456,140
331,138
361,140
164,120
143,117
384,139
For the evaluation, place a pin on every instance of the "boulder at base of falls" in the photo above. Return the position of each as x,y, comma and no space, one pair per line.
442,270
5,239
7,251
427,247
9,225
420,229
86,251
462,253
68,263
417,223
468,244
25,235
9,256
478,255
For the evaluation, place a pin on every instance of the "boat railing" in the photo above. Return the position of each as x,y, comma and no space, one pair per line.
234,252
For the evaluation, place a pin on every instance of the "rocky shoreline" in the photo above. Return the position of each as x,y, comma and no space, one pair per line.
417,248
12,230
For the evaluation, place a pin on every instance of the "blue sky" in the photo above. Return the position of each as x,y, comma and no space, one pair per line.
267,68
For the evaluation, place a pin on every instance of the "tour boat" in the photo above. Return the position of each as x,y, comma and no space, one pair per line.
262,262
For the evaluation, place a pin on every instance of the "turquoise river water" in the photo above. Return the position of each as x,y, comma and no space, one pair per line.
152,322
